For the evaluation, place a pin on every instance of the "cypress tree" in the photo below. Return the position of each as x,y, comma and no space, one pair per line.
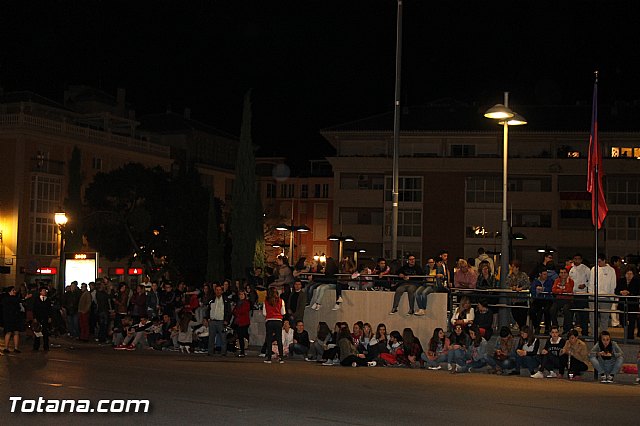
243,216
73,203
215,242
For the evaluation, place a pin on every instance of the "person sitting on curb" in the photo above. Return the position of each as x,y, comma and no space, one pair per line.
477,353
503,358
551,354
349,355
606,357
573,356
527,351
437,351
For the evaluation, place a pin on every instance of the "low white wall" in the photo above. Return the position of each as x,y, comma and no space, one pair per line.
367,306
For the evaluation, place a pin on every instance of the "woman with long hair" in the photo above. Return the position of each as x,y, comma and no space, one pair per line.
411,349
527,351
320,345
242,320
273,310
348,353
437,350
477,353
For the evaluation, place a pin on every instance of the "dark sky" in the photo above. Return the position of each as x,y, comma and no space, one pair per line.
313,64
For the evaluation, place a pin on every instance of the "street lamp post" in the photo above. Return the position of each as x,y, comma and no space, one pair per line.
61,219
506,117
292,228
341,239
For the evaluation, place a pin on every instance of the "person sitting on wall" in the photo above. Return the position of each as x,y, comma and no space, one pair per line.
408,284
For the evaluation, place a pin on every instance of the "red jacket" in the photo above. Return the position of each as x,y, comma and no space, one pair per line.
241,314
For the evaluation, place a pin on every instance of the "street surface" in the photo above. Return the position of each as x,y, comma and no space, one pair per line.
196,389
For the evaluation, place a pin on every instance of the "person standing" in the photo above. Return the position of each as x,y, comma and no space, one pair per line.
580,274
42,314
84,312
12,319
273,310
606,286
242,320
629,285
220,314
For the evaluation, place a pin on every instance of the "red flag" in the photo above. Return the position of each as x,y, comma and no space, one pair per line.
595,162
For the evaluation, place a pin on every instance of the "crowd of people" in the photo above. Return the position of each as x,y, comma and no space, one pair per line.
215,318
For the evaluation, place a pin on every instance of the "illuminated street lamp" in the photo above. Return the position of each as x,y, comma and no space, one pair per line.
341,239
292,228
506,117
61,219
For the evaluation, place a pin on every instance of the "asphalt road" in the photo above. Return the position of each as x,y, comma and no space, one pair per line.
196,389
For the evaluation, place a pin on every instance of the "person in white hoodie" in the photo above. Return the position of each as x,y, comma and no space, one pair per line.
606,286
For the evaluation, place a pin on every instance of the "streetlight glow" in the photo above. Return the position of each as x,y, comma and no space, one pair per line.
60,218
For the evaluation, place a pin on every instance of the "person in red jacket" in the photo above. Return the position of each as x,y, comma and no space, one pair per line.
241,320
562,287
273,310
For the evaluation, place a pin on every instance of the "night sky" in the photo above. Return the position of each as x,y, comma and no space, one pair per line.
313,64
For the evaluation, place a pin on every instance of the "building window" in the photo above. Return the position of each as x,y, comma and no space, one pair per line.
361,181
325,190
623,227
360,216
316,192
530,184
532,219
463,150
304,191
287,190
96,163
271,190
45,199
625,152
409,223
410,189
623,190
484,189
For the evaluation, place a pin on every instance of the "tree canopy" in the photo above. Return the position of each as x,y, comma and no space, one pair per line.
149,214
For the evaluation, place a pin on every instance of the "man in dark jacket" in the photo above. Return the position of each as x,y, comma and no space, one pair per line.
42,314
409,284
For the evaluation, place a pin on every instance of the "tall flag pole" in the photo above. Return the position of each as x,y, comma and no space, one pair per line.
598,203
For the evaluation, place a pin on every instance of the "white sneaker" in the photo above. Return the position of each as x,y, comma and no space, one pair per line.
610,378
339,300
314,306
318,306
449,367
603,378
372,364
538,375
552,375
353,364
439,367
336,307
420,312
637,380
328,362
262,355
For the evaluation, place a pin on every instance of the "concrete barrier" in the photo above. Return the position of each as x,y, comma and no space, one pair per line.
367,306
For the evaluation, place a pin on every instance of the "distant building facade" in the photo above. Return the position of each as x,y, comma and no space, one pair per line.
451,181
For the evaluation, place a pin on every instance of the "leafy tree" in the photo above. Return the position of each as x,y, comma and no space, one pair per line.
243,218
147,214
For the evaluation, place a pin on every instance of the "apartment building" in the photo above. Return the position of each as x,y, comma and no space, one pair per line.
451,181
